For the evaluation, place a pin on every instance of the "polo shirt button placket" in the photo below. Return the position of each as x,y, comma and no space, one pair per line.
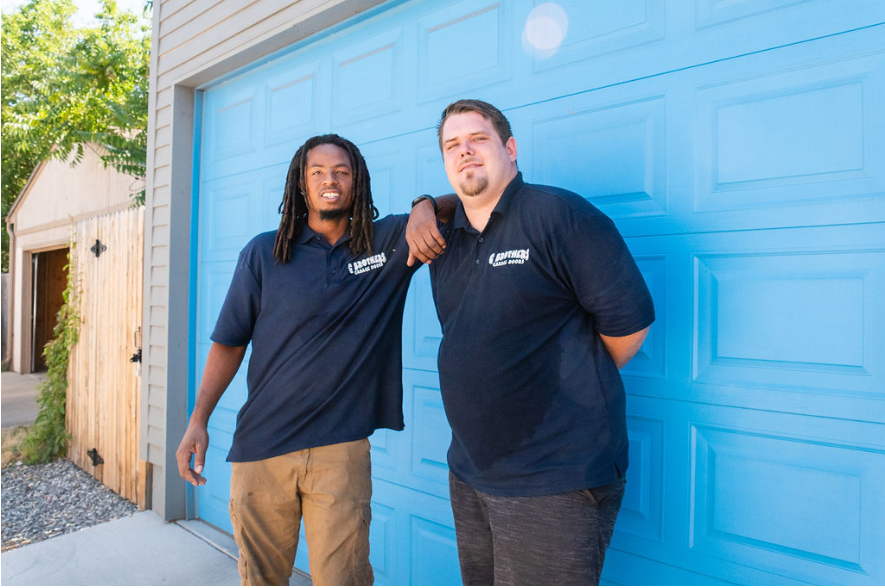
331,260
476,250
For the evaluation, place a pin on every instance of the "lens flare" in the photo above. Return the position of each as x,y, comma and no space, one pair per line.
545,29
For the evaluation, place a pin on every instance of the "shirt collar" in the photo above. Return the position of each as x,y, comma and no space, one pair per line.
460,221
307,234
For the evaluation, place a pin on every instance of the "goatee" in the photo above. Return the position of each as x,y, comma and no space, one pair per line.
333,214
474,186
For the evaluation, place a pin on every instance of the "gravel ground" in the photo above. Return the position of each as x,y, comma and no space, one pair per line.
42,501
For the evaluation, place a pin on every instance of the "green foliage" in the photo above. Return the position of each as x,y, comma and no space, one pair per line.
64,88
48,438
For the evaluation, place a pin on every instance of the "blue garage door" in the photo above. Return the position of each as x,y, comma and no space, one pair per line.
739,147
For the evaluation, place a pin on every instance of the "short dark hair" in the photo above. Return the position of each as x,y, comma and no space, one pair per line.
488,112
294,206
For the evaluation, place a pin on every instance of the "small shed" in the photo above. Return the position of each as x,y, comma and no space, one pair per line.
86,210
39,224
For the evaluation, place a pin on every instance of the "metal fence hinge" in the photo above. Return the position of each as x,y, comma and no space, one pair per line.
98,248
96,458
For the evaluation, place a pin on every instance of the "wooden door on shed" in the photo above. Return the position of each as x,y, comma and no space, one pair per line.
50,276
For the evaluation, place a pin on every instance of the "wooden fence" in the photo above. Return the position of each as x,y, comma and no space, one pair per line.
103,403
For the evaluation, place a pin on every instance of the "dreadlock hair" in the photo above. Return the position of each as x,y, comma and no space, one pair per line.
294,204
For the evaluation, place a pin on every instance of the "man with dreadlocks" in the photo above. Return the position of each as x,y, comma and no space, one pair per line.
321,300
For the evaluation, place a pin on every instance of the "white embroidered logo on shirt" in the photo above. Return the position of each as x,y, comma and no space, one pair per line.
514,256
368,264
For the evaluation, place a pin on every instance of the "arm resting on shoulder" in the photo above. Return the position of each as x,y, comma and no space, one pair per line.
622,349
221,367
446,206
425,241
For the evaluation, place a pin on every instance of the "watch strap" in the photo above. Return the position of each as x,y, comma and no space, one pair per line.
423,197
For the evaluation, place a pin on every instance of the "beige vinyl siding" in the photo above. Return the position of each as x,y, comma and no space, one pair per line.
194,43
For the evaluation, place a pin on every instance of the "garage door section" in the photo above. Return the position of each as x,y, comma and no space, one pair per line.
740,149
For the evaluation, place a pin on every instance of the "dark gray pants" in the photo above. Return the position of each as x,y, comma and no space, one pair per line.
555,540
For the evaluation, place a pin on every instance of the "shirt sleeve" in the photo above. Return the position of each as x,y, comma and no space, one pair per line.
605,277
397,236
242,304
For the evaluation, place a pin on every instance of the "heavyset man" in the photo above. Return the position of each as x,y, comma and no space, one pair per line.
321,300
540,304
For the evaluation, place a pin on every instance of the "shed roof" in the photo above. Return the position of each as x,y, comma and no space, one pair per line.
59,191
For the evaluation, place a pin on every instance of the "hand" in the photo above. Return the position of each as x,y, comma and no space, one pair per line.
425,241
194,442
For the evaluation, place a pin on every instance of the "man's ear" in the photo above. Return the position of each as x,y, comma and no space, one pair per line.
510,145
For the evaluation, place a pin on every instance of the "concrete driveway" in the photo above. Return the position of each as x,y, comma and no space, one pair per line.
18,398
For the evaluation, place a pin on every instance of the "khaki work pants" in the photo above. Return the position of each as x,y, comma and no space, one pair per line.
331,487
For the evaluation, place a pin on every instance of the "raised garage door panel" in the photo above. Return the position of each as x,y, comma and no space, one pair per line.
739,147
745,481
785,138
784,320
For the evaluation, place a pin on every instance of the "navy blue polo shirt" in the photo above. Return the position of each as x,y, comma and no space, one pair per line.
535,402
326,334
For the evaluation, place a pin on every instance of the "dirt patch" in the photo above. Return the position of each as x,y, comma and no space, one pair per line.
11,439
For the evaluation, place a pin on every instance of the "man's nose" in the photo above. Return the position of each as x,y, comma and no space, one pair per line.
466,148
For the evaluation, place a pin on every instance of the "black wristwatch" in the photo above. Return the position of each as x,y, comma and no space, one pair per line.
426,197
